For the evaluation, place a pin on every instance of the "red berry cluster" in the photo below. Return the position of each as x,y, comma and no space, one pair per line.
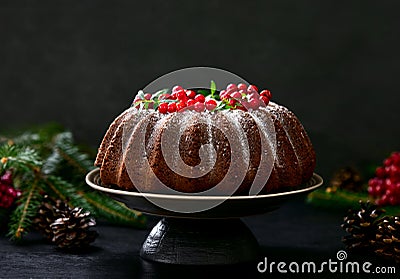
185,99
385,187
245,97
234,96
8,193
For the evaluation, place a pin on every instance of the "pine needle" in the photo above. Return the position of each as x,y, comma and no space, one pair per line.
66,192
115,211
20,222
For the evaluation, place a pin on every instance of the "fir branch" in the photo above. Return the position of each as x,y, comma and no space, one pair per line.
22,216
339,199
114,211
65,152
65,191
18,157
46,160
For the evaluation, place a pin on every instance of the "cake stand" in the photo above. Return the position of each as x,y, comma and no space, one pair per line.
213,237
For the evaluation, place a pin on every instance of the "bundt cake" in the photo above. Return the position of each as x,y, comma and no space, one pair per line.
192,141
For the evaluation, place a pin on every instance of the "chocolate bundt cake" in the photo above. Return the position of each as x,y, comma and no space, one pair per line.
191,142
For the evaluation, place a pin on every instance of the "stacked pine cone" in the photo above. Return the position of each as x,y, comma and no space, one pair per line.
369,231
68,228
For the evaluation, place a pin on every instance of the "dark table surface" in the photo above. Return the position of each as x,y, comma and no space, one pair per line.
295,232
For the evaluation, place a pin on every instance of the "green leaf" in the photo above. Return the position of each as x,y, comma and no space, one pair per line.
220,105
140,94
213,88
203,92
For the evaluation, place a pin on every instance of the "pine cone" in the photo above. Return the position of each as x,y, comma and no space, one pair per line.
48,212
387,243
71,231
362,226
347,178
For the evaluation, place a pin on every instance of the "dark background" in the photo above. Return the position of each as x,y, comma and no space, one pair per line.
334,63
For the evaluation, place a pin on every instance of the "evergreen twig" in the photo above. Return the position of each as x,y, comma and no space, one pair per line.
114,211
48,161
22,216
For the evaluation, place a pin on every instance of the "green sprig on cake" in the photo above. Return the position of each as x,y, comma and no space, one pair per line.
234,96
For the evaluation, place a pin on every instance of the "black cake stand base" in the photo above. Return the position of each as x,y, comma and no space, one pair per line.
200,242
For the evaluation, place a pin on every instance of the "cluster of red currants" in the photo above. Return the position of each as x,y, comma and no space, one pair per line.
385,186
245,97
239,96
185,99
8,193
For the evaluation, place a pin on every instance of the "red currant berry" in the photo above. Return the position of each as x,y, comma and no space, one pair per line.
6,178
254,103
181,95
388,162
225,96
211,104
242,86
380,172
395,158
177,88
240,107
374,182
190,103
394,171
266,93
137,103
253,95
163,108
388,182
264,99
200,98
171,107
371,191
199,107
232,102
190,94
236,95
180,106
10,191
147,96
231,87
252,88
